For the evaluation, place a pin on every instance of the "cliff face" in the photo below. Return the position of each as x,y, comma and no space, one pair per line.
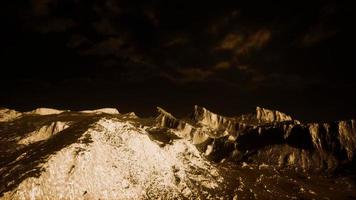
321,147
166,119
204,117
271,137
264,116
268,116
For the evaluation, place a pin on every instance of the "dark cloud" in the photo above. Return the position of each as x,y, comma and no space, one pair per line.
42,7
324,26
317,35
55,25
230,42
222,65
255,41
247,51
189,75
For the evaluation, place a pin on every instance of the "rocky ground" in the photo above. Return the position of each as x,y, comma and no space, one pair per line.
102,154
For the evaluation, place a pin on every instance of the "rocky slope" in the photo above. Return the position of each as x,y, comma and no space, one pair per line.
102,154
93,155
271,137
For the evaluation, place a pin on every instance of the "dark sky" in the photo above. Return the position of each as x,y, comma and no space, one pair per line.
230,56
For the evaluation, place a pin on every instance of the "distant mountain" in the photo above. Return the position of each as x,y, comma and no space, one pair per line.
103,154
272,137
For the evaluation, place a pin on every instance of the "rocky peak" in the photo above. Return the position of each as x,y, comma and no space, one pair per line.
205,117
266,115
166,119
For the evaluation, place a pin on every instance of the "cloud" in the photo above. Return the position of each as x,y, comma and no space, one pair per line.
78,41
105,27
195,73
55,25
151,16
243,67
255,41
109,46
220,23
176,41
188,75
42,7
317,34
222,65
223,42
313,38
242,44
324,27
230,42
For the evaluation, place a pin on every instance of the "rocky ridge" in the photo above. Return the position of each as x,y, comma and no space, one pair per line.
48,153
271,137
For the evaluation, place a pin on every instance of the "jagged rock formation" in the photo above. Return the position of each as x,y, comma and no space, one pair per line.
321,147
8,114
180,128
102,154
166,119
264,116
204,117
271,137
131,115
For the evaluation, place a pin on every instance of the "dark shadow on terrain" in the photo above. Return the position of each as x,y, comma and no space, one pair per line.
162,135
25,162
328,154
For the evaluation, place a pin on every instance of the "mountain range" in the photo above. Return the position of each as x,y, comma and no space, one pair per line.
104,154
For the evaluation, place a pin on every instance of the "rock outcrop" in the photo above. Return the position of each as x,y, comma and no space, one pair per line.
264,116
7,115
166,119
268,116
111,111
204,117
44,133
45,111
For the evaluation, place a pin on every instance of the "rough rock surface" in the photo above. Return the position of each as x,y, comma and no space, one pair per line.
102,110
266,115
270,137
8,114
44,133
111,157
45,111
120,162
107,155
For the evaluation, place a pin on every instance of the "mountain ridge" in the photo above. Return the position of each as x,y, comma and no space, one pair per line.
107,154
329,145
